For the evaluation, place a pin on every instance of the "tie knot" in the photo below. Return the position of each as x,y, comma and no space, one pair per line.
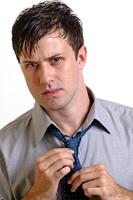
73,143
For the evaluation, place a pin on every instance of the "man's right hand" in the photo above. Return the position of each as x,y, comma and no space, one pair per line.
49,170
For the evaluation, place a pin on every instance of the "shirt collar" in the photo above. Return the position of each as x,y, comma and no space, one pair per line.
98,112
41,122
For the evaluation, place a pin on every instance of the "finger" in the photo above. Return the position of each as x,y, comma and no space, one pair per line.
54,152
62,172
61,163
86,175
93,191
82,178
92,183
73,177
48,174
88,170
46,163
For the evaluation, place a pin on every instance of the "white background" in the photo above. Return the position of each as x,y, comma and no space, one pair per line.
108,31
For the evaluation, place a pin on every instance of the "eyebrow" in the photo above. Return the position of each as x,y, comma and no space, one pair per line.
48,58
56,55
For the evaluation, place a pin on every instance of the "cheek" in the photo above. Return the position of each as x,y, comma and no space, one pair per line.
74,73
30,78
71,78
71,70
30,83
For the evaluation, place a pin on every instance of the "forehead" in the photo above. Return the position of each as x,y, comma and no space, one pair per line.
50,44
52,41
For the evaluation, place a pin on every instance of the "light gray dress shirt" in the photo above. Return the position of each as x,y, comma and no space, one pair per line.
108,141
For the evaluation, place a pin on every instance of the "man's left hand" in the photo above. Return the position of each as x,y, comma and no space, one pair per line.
95,180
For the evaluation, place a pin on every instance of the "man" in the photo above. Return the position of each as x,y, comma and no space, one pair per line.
48,43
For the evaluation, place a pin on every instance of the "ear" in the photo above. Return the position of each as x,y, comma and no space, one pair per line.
82,56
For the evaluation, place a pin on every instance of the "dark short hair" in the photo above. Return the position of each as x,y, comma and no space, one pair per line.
39,20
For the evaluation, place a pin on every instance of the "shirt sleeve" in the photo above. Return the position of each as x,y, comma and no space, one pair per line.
5,189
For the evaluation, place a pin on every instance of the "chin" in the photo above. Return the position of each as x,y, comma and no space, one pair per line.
53,107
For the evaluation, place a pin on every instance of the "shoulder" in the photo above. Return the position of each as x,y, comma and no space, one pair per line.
17,126
121,114
116,107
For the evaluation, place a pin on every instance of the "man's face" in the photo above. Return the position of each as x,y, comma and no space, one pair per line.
53,74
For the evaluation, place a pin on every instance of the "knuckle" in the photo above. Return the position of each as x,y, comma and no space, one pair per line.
40,168
62,161
64,171
80,177
40,165
103,173
46,173
104,191
101,166
86,190
84,186
38,161
81,171
65,162
59,155
55,150
103,181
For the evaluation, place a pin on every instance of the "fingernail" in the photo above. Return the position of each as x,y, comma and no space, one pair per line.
72,190
69,181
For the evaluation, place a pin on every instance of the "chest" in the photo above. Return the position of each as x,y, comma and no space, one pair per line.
113,152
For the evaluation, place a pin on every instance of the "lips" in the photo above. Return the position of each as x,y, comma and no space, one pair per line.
51,92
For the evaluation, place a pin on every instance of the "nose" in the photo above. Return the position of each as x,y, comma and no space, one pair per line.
46,74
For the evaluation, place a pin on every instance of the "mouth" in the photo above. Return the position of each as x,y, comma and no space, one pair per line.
51,92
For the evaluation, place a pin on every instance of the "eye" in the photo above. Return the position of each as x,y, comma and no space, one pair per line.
32,65
56,60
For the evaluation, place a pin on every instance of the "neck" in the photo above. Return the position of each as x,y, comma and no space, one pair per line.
70,119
